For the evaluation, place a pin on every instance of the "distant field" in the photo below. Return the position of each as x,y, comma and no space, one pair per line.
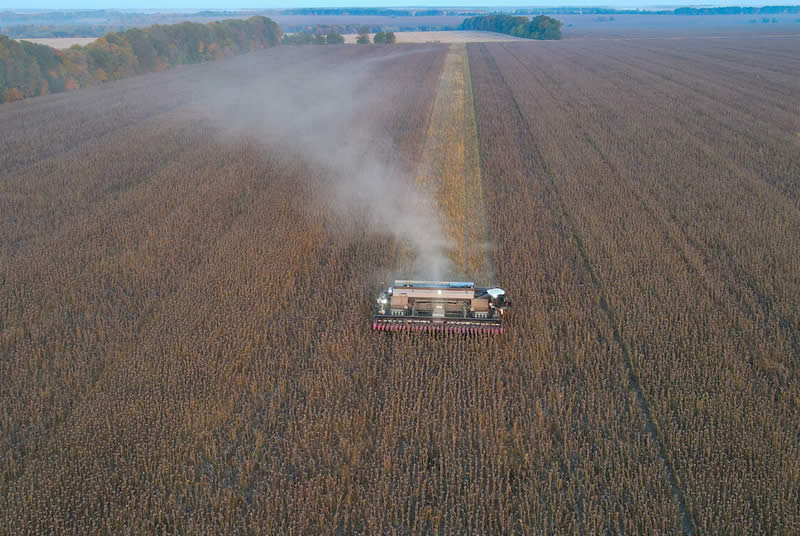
294,23
62,43
444,37
674,25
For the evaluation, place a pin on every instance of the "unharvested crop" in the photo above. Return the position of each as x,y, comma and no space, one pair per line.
670,171
186,294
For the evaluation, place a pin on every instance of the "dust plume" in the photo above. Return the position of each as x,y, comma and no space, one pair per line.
327,110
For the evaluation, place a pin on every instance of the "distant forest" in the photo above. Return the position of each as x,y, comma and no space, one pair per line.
540,27
382,12
424,12
95,23
134,46
730,10
28,69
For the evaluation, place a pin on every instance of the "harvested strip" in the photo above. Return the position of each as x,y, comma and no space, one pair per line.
450,169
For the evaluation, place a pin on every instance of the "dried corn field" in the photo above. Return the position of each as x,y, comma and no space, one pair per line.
185,342
668,175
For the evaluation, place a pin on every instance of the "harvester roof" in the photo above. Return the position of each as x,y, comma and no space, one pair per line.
434,284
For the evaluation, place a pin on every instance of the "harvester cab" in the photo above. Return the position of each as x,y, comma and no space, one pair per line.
498,300
459,307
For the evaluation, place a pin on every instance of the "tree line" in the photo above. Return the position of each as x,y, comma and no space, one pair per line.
309,38
335,38
34,31
28,69
378,11
540,27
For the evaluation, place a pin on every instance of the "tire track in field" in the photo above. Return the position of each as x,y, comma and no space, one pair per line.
687,521
450,169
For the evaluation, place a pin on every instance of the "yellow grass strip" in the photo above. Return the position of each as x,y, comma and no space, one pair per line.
450,169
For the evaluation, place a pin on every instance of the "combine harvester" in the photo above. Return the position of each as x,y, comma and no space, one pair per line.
441,306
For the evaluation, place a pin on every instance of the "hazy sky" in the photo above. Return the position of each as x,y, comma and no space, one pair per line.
265,4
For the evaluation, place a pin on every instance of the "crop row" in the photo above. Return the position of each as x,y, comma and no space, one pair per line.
688,248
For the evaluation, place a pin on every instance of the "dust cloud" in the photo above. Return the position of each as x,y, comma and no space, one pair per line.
327,110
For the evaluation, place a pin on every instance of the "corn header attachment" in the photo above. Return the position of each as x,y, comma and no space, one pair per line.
458,307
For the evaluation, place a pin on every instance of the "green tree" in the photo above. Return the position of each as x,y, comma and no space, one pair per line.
143,48
335,39
50,66
23,77
363,36
544,27
541,27
28,69
302,38
379,38
390,38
